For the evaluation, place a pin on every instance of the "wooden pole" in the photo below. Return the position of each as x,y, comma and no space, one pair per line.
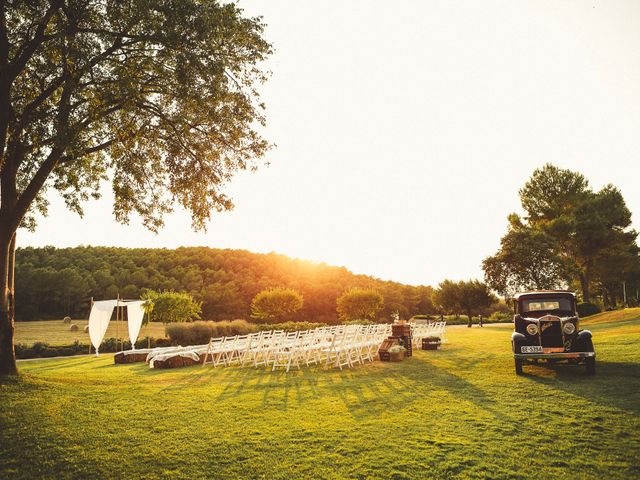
117,317
90,308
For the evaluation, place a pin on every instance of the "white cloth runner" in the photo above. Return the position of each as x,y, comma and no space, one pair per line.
186,354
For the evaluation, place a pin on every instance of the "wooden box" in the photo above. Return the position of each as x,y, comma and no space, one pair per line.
430,344
383,351
401,330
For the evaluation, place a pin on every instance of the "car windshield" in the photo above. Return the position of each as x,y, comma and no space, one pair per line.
537,305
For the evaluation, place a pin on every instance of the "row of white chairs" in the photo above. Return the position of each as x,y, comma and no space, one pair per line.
336,346
425,330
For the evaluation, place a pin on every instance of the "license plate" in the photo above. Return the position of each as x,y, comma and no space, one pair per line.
531,349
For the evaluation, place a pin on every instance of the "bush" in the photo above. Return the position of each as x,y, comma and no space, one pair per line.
359,322
199,333
41,349
500,317
423,317
586,309
291,326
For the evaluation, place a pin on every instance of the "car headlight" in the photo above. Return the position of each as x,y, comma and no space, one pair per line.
532,329
568,328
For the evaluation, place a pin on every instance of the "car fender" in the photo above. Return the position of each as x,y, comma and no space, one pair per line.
518,337
584,335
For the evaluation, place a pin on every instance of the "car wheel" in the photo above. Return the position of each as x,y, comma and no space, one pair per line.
588,346
590,363
518,366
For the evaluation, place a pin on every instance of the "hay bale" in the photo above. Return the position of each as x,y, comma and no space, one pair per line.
175,362
131,356
66,320
86,329
73,327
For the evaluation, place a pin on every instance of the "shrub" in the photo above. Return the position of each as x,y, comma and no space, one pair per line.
359,322
586,309
500,316
73,327
423,317
39,347
291,326
66,320
199,333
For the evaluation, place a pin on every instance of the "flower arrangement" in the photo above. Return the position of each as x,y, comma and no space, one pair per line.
397,349
396,353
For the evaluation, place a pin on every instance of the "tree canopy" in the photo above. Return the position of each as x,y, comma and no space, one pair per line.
471,297
569,234
172,307
159,97
276,303
359,304
225,281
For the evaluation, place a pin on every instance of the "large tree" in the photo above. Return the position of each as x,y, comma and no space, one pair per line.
276,303
527,259
579,229
157,96
470,297
359,304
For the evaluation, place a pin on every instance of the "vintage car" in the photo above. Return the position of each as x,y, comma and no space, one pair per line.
547,329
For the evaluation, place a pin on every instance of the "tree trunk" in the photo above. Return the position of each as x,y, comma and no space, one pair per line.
7,354
584,285
470,322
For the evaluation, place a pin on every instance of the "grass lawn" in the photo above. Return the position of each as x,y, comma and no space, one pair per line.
456,413
55,332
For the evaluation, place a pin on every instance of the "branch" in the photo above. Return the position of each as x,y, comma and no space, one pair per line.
35,185
29,49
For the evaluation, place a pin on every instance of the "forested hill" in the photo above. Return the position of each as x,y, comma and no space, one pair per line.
52,282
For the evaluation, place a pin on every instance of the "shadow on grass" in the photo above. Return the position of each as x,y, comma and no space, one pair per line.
616,384
366,390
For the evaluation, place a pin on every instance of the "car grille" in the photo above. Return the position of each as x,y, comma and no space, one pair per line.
551,334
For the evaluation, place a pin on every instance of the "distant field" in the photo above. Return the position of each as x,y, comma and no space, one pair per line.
458,413
55,332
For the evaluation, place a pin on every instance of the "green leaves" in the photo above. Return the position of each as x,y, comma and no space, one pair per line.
158,97
170,307
570,233
276,303
463,296
359,304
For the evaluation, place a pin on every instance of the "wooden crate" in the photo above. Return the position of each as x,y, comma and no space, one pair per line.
401,330
383,351
428,344
406,342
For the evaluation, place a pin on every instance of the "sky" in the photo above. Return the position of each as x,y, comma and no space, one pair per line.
404,130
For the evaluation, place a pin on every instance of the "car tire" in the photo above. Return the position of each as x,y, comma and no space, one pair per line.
590,363
588,346
518,366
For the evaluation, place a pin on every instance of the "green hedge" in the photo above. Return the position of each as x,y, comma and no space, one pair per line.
587,309
291,326
44,350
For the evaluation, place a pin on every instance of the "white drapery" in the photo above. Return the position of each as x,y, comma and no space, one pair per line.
101,312
135,313
99,320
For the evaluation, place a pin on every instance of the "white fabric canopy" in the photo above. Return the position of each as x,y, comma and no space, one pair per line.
99,320
135,313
